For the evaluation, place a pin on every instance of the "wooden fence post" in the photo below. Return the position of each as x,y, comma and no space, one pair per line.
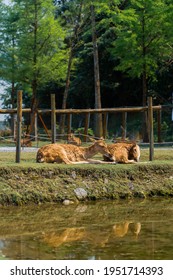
150,125
53,118
19,122
87,121
14,126
69,122
124,125
105,124
36,127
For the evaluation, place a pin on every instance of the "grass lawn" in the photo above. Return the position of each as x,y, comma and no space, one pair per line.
161,156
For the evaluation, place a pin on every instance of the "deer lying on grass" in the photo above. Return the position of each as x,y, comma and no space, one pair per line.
124,152
25,142
71,139
71,154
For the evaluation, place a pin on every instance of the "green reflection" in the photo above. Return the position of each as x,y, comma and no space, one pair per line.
136,229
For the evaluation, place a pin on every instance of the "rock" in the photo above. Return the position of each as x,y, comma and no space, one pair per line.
67,202
80,193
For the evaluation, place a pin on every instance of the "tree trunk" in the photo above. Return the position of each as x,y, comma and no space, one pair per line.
73,42
98,117
65,95
13,87
144,85
35,74
33,109
13,106
144,103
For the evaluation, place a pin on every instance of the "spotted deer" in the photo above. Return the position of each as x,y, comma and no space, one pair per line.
71,139
124,152
72,154
25,141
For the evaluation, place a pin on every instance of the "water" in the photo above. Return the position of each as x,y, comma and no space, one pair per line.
122,230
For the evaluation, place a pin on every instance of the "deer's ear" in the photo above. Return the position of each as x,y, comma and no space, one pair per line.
101,138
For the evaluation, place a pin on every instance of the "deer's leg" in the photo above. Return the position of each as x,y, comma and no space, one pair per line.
63,159
96,161
130,161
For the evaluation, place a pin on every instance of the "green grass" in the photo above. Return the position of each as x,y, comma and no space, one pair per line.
28,159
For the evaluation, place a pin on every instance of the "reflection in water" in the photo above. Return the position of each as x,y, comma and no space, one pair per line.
56,239
101,230
121,229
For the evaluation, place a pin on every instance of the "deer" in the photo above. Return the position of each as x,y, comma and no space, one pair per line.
71,139
26,141
72,154
123,152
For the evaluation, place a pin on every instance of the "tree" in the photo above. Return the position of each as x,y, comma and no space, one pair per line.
85,82
71,18
40,49
78,14
98,117
8,53
142,42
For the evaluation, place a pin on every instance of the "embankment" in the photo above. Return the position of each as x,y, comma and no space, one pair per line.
72,184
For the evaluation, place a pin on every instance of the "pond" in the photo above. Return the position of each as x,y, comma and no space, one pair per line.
109,230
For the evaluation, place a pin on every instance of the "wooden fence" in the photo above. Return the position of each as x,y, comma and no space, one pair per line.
53,111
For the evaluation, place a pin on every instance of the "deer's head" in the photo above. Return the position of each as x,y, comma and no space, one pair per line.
101,147
39,157
73,140
134,152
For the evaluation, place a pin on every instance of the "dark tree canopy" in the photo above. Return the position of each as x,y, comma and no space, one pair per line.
47,47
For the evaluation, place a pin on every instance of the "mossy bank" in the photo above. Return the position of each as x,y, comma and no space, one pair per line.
21,185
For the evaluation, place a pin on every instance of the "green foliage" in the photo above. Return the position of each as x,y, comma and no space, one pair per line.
133,37
81,130
33,45
142,37
8,41
41,48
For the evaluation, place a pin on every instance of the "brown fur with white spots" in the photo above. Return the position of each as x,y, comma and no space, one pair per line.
124,152
26,142
71,154
74,140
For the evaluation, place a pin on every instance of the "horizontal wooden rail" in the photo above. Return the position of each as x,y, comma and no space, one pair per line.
103,110
14,111
80,111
